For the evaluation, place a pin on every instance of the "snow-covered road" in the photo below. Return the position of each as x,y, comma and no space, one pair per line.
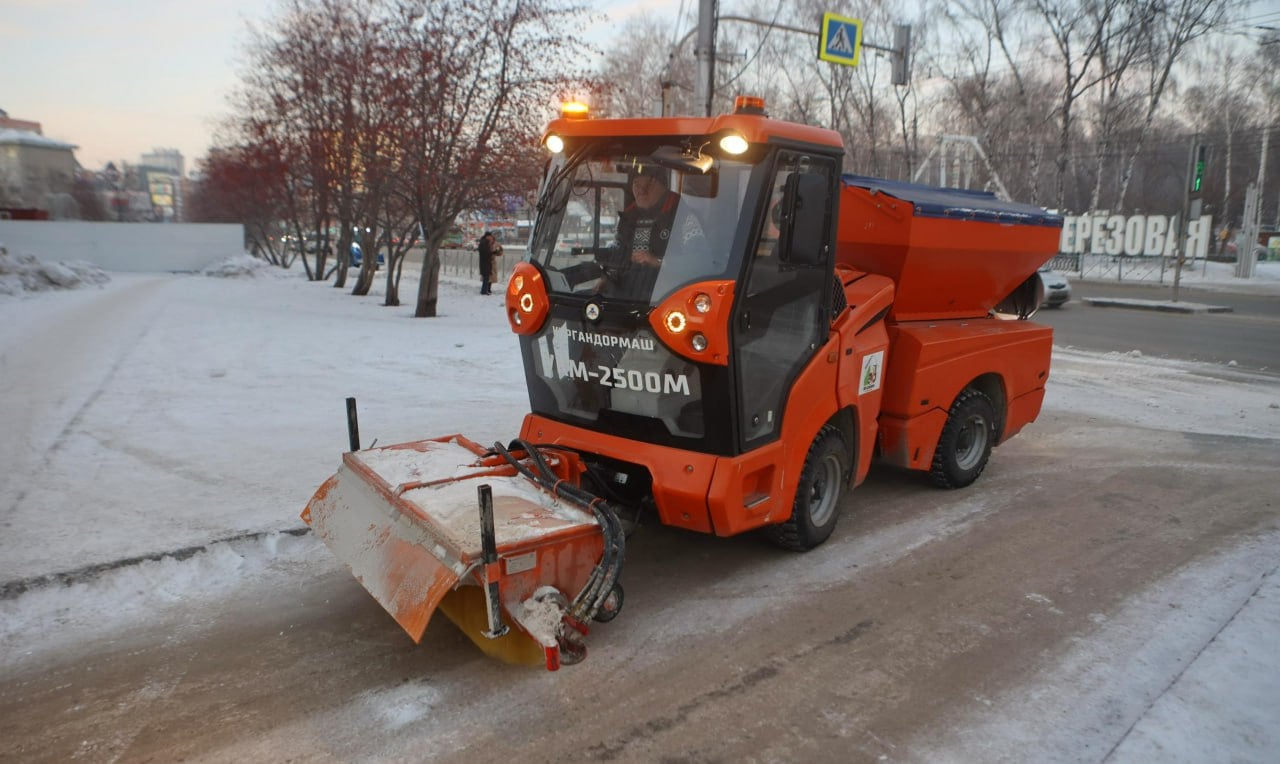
1105,591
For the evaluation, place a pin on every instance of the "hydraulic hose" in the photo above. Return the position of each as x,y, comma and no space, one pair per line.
605,575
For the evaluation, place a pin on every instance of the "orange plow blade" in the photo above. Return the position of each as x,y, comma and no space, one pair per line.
445,524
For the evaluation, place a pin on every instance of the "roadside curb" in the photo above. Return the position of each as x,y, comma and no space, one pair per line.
1167,306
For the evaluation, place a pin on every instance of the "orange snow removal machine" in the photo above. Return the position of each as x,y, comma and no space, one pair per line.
720,330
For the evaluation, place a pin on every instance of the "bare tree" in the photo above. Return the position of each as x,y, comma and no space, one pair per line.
1174,25
481,77
995,89
245,184
632,75
1222,111
313,88
1123,41
1076,30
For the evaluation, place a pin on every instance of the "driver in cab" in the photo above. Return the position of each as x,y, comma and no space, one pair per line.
645,228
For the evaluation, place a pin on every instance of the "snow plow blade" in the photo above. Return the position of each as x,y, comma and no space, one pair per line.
484,535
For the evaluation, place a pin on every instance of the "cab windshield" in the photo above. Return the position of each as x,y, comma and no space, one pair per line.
616,223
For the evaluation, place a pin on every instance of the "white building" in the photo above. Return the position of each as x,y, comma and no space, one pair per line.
33,168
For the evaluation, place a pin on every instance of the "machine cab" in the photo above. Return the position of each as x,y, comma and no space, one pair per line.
687,278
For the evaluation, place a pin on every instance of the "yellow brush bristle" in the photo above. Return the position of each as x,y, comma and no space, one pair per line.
465,606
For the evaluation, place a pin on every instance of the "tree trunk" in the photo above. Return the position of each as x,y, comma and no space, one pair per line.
1064,151
1099,167
1224,216
393,281
429,284
1037,162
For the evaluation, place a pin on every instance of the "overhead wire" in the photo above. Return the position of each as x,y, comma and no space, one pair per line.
768,30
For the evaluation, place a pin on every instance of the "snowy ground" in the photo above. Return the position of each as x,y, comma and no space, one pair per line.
181,410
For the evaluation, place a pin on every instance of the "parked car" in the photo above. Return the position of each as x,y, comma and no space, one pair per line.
357,256
1057,289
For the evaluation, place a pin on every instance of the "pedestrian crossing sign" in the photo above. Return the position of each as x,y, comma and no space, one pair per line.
841,39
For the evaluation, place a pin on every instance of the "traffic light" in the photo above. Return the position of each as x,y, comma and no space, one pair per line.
900,58
1197,170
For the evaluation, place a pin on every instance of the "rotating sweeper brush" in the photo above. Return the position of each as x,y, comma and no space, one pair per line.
504,541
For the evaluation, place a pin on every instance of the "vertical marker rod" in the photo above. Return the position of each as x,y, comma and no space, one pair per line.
353,427
489,550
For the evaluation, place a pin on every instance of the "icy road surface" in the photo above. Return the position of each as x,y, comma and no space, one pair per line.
1106,591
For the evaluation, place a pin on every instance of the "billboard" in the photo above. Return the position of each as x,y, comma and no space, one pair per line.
1132,235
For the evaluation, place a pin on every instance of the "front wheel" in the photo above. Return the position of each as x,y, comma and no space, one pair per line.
817,501
966,441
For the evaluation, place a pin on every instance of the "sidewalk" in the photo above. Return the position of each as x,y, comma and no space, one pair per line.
1168,306
1201,281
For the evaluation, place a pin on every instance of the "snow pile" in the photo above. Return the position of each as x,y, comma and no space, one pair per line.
24,273
237,267
117,599
1164,394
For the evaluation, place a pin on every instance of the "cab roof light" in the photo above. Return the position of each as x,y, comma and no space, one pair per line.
554,143
749,105
574,110
734,144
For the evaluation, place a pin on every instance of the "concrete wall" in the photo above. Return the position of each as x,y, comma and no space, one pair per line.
142,247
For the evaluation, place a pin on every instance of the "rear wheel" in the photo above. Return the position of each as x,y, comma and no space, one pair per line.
966,441
817,502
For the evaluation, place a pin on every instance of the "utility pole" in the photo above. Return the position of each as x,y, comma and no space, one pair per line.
705,54
1245,261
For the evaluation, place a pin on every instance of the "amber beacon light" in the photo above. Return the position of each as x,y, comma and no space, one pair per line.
574,110
748,105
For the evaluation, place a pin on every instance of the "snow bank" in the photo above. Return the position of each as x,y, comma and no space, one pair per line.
20,274
53,616
238,267
1164,394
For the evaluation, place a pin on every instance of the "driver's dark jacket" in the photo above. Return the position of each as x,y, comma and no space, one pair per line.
634,223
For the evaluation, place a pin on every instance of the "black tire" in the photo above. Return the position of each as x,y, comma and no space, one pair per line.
966,441
816,506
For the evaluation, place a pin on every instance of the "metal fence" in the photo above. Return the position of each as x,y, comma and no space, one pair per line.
466,263
1138,269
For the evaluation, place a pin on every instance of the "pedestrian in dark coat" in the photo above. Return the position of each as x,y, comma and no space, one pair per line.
490,250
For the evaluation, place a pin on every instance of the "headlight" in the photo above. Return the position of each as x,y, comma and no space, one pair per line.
733,144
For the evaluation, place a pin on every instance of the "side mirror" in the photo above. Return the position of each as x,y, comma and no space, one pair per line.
806,206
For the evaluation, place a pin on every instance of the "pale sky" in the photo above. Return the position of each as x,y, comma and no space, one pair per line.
118,78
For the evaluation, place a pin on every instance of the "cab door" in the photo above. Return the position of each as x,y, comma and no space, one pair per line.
782,319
